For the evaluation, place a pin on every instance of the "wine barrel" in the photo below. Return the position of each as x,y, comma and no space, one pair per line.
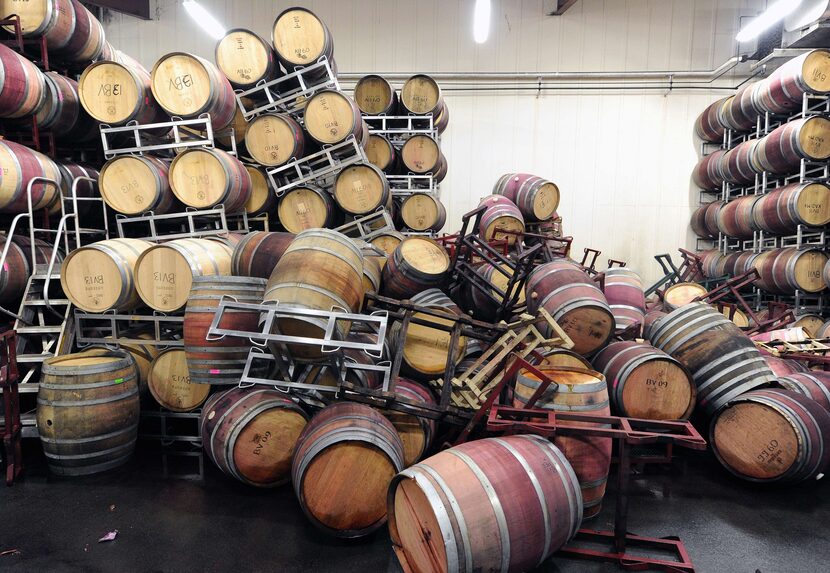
423,212
710,261
811,323
624,292
219,359
498,504
61,113
53,20
500,215
19,165
784,90
814,385
115,93
17,268
375,96
344,461
744,261
708,125
262,199
361,188
88,38
735,219
737,165
306,207
23,88
239,125
742,112
421,95
258,252
574,301
135,184
204,178
536,198
164,273
246,58
421,154
102,276
772,436
251,433
781,367
707,174
442,120
681,294
301,39
645,382
87,411
783,149
332,116
559,357
415,432
583,391
274,139
387,241
416,264
171,385
722,360
381,153
783,271
479,304
781,211
187,86
652,318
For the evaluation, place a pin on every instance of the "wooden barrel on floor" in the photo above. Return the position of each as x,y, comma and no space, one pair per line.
706,173
258,252
53,20
783,149
87,411
772,436
737,165
464,509
623,290
416,264
415,432
171,385
781,367
574,301
783,271
164,273
135,184
646,382
343,464
301,38
103,276
497,279
24,85
421,95
19,165
734,219
219,359
381,153
204,178
784,90
251,434
361,189
306,207
246,58
501,215
115,93
421,154
722,360
813,384
332,116
262,198
708,125
681,294
583,391
375,96
274,139
536,198
781,211
187,86
423,212
742,112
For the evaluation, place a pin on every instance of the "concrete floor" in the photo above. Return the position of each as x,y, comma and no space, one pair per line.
218,525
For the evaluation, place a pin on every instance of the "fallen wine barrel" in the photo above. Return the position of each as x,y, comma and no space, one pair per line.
421,154
381,153
709,125
783,91
69,171
423,212
15,273
219,359
258,252
246,58
723,361
741,113
652,318
680,294
772,436
421,95
274,139
416,264
783,271
645,382
624,292
204,178
164,273
53,20
574,301
87,411
581,391
135,184
375,96
783,149
361,189
19,165
735,217
501,220
262,199
171,385
102,276
813,384
536,198
498,504
707,174
306,207
301,39
388,241
781,367
331,117
251,434
415,432
737,165
782,210
811,323
116,93
479,304
344,461
23,89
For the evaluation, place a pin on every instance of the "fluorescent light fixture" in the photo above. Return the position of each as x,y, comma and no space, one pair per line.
772,15
481,21
202,17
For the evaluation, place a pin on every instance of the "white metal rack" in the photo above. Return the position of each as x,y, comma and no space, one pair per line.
406,185
191,223
397,128
319,168
137,139
113,328
369,226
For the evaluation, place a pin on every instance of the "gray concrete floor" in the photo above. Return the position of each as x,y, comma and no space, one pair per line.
218,525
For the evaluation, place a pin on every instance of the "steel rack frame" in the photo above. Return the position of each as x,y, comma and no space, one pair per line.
143,138
191,223
93,328
400,127
369,226
178,436
406,185
12,425
318,167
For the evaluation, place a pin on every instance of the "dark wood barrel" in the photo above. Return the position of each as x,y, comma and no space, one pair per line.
416,432
204,178
782,150
85,189
115,93
258,252
375,96
772,436
246,58
24,85
709,125
559,357
135,184
781,367
420,154
19,165
741,112
536,198
646,382
332,116
251,433
18,267
53,20
381,153
701,218
442,120
301,38
170,383
501,215
422,212
416,264
274,139
87,411
781,211
88,38
60,112
680,294
498,504
813,384
742,263
737,165
722,360
735,219
478,304
652,318
583,391
361,189
574,301
783,271
187,86
307,207
706,173
784,90
710,261
344,461
421,95
623,290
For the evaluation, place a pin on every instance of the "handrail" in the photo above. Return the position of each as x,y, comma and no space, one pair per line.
53,258
5,254
32,229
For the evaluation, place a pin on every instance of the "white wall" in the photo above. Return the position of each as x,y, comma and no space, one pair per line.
622,159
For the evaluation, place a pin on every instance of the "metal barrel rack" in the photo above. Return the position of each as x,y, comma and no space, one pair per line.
319,168
190,223
12,425
139,138
112,328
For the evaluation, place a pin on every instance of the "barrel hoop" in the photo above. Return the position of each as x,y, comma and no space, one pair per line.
679,339
596,386
718,400
563,407
595,483
120,364
75,403
549,271
674,315
105,384
128,446
226,413
824,390
87,469
715,369
313,288
106,436
352,434
628,307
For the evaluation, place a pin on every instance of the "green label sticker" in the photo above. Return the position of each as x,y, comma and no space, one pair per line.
119,380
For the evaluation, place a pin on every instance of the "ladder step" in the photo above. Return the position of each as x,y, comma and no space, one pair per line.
52,302
44,276
39,329
34,358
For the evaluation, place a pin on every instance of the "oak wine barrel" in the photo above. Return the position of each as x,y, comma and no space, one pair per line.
306,207
258,252
783,149
781,367
301,39
361,188
624,292
420,154
707,173
500,215
652,318
204,178
387,241
61,113
497,279
810,322
88,37
423,212
704,220
274,139
53,20
681,294
783,91
262,199
23,88
442,120
781,211
742,111
143,354
332,116
737,166
170,383
115,93
415,432
15,273
19,165
69,171
813,384
375,96
559,357
421,95
416,264
536,198
246,58
381,153
708,125
735,218
135,184
710,262
783,271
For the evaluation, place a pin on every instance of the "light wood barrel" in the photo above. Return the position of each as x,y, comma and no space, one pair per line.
813,384
164,273
645,382
301,39
707,173
652,318
116,93
583,391
574,301
783,271
274,139
23,88
170,384
741,112
734,219
186,85
343,464
421,154
262,198
143,354
70,170
251,434
381,153
722,360
624,292
246,58
782,150
772,436
239,126
421,95
783,91
306,207
204,178
708,125
258,252
19,165
50,19
360,189
501,215
737,165
388,241
781,211
102,276
135,184
681,294
416,264
88,38
375,96
423,212
442,120
811,323
415,432
87,411
537,198
332,116
498,504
